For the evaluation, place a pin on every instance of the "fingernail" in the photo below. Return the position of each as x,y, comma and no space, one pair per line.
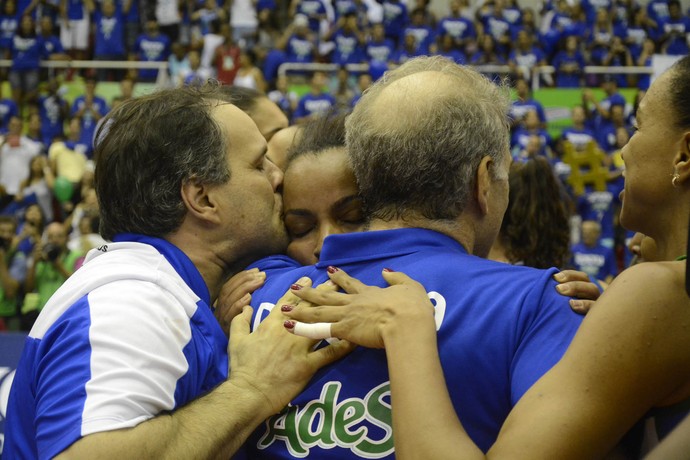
389,270
559,277
576,303
289,324
332,269
261,275
562,288
286,308
295,287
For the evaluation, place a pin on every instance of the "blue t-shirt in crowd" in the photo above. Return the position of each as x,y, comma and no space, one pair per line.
311,104
598,262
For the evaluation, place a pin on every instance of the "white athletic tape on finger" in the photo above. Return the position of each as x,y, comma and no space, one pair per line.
314,331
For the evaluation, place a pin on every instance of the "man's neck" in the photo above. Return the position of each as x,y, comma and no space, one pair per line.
463,234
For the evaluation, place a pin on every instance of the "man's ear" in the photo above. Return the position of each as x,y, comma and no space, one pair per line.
199,201
483,184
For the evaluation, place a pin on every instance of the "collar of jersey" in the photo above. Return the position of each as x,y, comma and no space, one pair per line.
178,259
382,244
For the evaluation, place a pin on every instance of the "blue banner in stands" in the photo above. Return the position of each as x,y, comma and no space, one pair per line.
11,344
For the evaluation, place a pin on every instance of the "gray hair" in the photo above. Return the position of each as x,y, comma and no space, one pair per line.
415,149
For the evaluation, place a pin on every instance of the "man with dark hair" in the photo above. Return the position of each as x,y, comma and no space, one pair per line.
428,145
264,112
127,359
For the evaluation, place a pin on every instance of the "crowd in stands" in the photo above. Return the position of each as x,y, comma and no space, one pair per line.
46,173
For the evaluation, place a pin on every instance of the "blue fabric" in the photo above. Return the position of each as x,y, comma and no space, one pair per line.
501,328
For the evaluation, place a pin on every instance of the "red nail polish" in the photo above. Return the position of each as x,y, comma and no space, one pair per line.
289,324
388,270
286,308
295,287
332,269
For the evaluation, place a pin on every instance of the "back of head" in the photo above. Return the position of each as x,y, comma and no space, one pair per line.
243,98
146,149
535,228
317,135
418,135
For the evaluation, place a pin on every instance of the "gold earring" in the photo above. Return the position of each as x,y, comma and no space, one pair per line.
674,181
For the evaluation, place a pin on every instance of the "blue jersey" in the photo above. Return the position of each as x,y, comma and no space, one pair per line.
51,110
8,109
598,262
394,18
601,207
138,306
27,52
8,27
314,105
458,28
519,108
110,35
347,49
380,51
152,49
500,327
88,122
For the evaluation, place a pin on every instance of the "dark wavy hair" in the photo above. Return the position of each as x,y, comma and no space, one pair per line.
536,229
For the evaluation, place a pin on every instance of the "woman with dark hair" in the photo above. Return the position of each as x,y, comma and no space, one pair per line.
535,231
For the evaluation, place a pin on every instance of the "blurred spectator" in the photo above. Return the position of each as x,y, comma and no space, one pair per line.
317,102
569,64
243,22
87,239
109,38
33,131
12,270
601,111
428,16
8,109
364,81
499,29
674,31
534,148
16,152
26,52
378,47
197,75
591,7
409,49
618,55
487,53
394,19
178,63
313,10
658,10
168,21
52,46
602,207
89,108
459,27
226,56
607,135
130,10
249,75
54,111
36,188
578,134
524,103
530,127
9,23
298,42
151,46
448,48
591,257
30,229
645,60
68,158
598,37
356,7
526,57
74,26
424,35
203,17
348,40
50,265
87,207
341,89
637,31
283,97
